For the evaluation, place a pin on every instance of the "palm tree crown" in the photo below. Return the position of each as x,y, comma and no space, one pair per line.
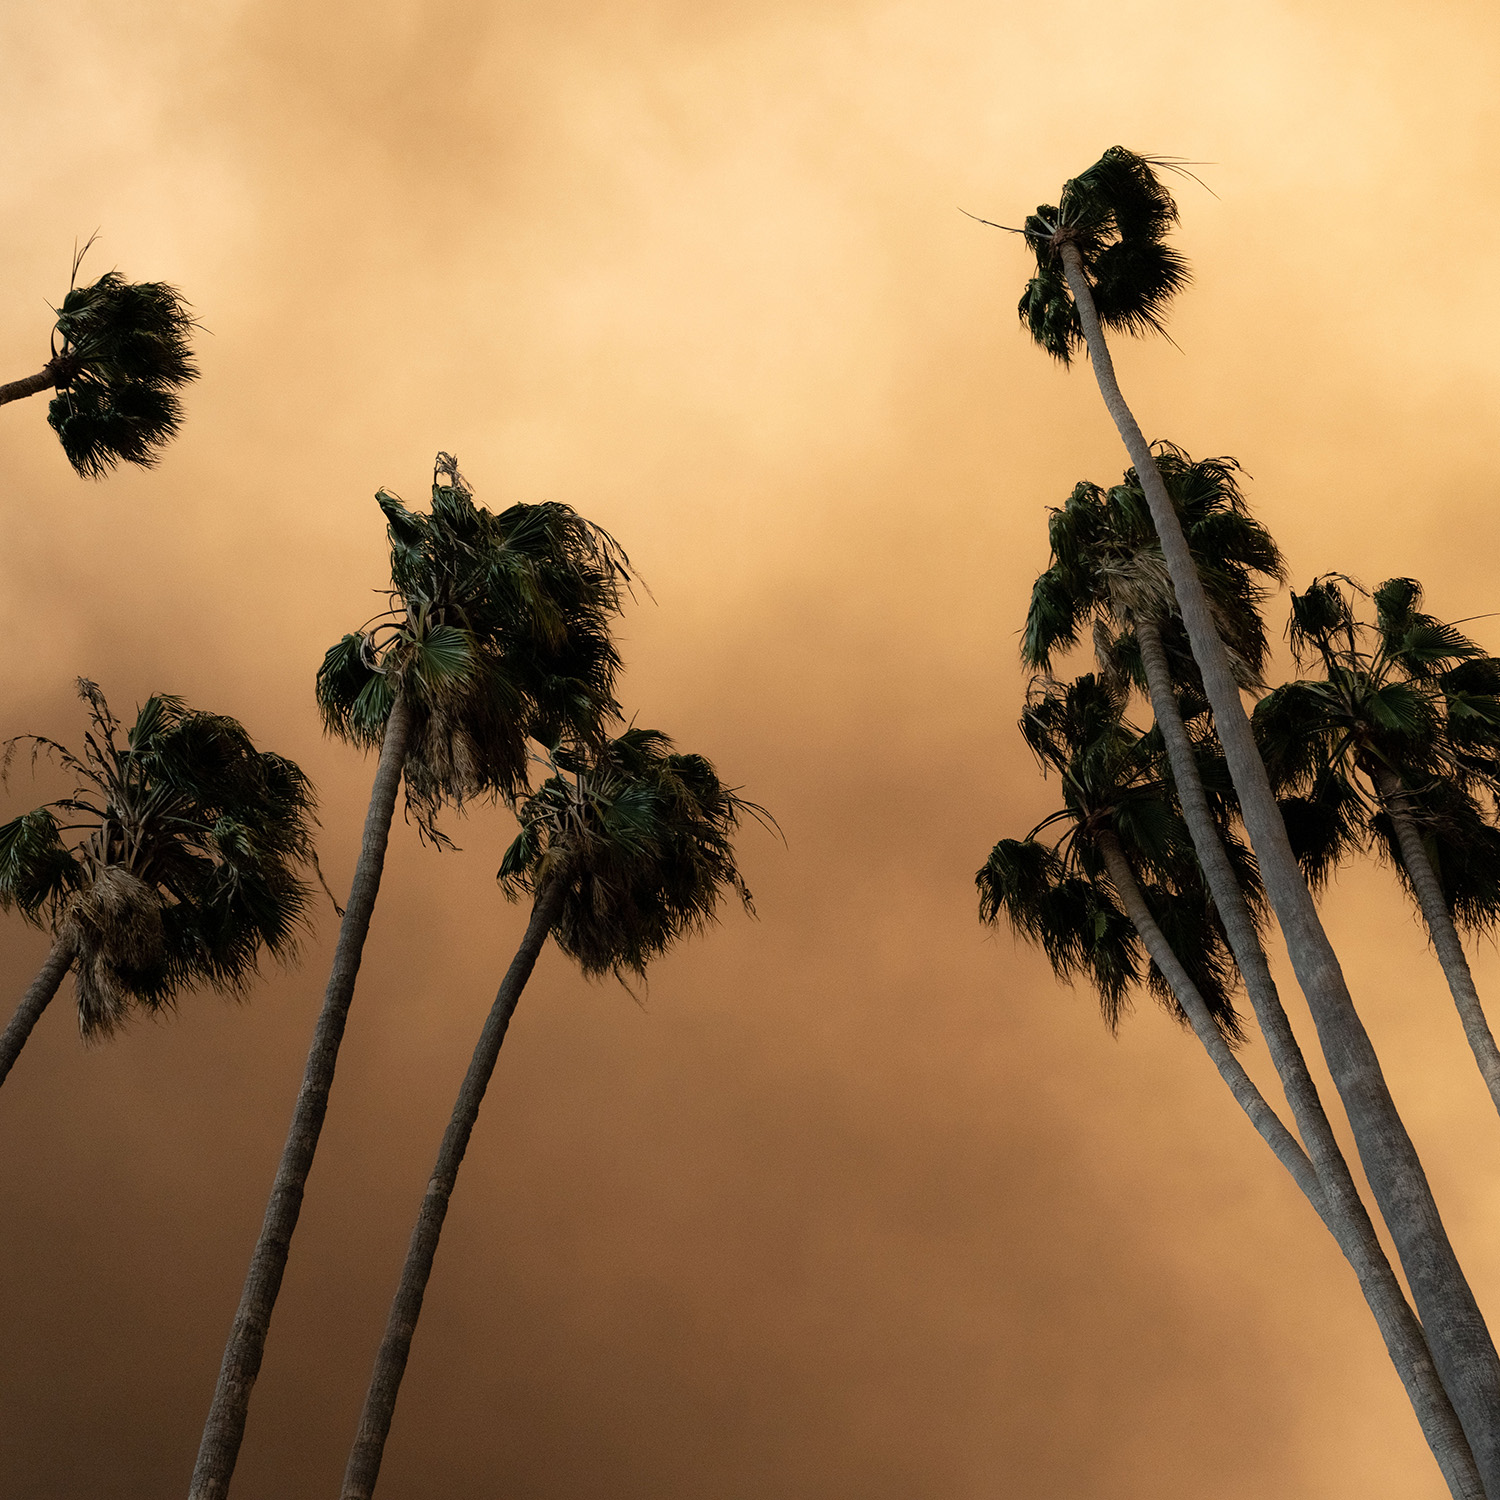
1404,695
174,861
121,352
497,631
1117,214
1106,565
640,838
1058,894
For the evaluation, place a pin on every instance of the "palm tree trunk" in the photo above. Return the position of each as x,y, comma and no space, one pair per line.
225,1427
1445,939
17,390
36,999
1249,1098
1345,1215
1456,1333
390,1363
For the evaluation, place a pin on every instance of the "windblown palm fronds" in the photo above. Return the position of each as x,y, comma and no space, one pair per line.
1057,892
640,837
1117,213
497,632
174,862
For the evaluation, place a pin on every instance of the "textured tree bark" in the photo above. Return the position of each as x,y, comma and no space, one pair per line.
390,1363
225,1427
1456,1333
1345,1216
1445,938
37,998
17,390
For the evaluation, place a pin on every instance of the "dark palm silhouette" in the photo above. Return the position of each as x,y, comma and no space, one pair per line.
121,353
175,861
623,850
497,632
1102,260
1124,875
1396,748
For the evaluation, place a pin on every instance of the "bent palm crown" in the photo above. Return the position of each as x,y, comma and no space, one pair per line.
173,863
1408,695
120,354
1107,565
640,838
1058,894
1117,214
498,631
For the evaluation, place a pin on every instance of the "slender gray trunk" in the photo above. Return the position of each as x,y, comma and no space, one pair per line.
1345,1215
1445,938
225,1427
37,998
1249,1098
17,390
1456,1332
390,1363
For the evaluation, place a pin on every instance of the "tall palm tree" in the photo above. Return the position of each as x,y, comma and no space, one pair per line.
1106,567
1102,260
623,850
121,352
1123,876
173,863
1396,747
497,631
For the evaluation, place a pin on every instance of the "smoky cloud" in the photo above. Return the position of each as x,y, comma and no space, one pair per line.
858,1203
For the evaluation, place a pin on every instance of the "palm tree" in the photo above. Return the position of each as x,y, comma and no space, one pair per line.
497,630
172,864
1106,566
623,850
1124,876
1102,260
1396,747
121,352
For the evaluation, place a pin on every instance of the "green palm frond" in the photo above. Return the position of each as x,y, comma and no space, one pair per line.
1056,891
1117,214
1106,566
178,864
640,837
498,633
122,352
1402,694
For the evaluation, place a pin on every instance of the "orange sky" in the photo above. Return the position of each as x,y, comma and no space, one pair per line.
860,1204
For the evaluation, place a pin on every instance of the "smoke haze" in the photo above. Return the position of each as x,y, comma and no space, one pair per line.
858,1204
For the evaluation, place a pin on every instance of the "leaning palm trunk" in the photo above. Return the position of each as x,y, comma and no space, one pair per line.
1249,1098
390,1363
1344,1212
36,999
1445,938
225,1427
1457,1336
17,390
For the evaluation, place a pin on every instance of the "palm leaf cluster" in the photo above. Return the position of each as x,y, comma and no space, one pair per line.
1404,695
640,837
176,858
1106,566
497,632
121,353
1117,214
1057,892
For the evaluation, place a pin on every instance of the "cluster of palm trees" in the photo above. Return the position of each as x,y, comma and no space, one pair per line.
1178,842
183,853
